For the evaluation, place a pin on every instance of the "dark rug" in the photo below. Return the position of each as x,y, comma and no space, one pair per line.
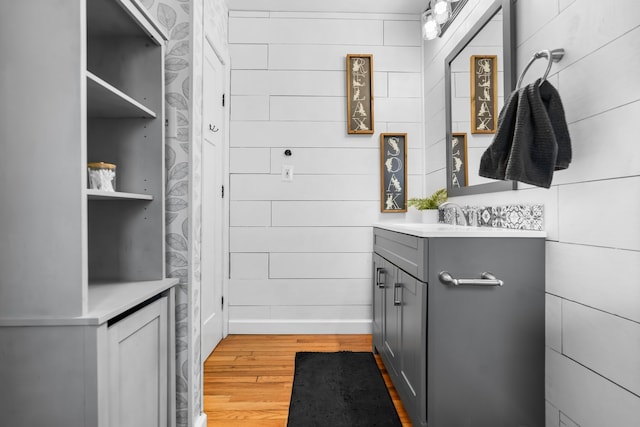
343,389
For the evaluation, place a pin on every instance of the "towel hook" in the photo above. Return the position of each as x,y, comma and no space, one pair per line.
554,55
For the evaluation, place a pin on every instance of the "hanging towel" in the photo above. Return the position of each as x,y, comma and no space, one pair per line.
532,140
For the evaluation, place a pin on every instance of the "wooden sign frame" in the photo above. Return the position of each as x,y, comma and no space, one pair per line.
393,172
459,175
484,93
360,94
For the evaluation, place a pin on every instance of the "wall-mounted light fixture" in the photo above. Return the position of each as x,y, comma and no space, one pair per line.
438,16
430,27
442,10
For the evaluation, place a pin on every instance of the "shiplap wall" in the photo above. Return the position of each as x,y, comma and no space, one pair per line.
592,209
301,250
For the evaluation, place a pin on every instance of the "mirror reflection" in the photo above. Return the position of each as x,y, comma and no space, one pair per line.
478,64
478,74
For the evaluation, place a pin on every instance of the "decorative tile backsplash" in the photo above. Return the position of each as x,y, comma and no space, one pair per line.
520,217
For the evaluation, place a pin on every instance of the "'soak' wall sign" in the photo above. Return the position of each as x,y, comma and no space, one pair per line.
393,172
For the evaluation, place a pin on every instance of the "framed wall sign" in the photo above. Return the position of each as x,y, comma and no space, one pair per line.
360,93
484,93
393,172
459,159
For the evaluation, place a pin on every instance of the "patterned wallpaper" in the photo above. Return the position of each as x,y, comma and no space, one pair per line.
184,22
174,16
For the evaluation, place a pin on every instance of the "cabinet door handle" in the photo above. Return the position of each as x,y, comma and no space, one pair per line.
397,300
381,276
486,279
212,128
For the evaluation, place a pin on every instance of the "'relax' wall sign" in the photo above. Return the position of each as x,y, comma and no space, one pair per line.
484,93
360,93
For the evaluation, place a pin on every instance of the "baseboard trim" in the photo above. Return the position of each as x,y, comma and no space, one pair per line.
201,421
269,326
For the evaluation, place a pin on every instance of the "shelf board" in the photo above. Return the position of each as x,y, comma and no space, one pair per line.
107,300
116,195
106,101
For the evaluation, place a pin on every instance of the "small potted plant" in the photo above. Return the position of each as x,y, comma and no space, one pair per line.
429,206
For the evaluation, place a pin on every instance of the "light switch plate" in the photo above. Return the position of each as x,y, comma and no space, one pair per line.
287,173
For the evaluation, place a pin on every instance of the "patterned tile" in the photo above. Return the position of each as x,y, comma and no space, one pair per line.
519,217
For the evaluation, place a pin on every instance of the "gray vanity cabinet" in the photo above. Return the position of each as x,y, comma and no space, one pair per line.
381,268
412,330
398,299
392,344
465,354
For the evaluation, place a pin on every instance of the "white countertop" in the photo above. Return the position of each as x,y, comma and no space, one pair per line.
448,230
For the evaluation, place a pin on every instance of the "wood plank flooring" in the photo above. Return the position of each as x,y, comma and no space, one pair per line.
248,378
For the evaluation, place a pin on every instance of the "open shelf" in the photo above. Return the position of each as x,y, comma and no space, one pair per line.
106,101
116,195
118,18
90,300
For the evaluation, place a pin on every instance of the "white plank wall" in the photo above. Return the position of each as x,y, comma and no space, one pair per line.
592,209
301,251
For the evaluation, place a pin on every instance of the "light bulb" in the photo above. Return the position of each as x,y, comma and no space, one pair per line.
430,27
442,11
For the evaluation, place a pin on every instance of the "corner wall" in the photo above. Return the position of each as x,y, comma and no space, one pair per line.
592,208
187,21
301,251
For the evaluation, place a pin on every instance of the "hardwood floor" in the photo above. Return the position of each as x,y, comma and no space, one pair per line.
248,378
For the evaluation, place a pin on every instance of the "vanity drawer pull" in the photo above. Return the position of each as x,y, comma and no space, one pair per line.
381,277
486,279
397,300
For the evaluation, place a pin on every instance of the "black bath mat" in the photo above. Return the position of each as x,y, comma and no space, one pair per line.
343,389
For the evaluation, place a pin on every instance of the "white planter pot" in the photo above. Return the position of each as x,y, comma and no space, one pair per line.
429,216
413,215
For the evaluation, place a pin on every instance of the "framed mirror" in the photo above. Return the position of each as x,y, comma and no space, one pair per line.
456,6
479,74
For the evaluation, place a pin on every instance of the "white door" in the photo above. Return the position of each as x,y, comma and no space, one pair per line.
212,206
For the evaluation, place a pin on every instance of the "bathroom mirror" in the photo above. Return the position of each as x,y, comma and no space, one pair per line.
479,74
456,6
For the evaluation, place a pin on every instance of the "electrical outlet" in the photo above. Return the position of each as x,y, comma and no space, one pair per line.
287,173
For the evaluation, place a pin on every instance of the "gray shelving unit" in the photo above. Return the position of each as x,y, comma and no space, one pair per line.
85,82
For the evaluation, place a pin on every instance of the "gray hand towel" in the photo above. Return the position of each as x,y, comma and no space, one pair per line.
532,140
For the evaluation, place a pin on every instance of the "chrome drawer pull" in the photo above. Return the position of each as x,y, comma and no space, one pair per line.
397,300
381,277
486,279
